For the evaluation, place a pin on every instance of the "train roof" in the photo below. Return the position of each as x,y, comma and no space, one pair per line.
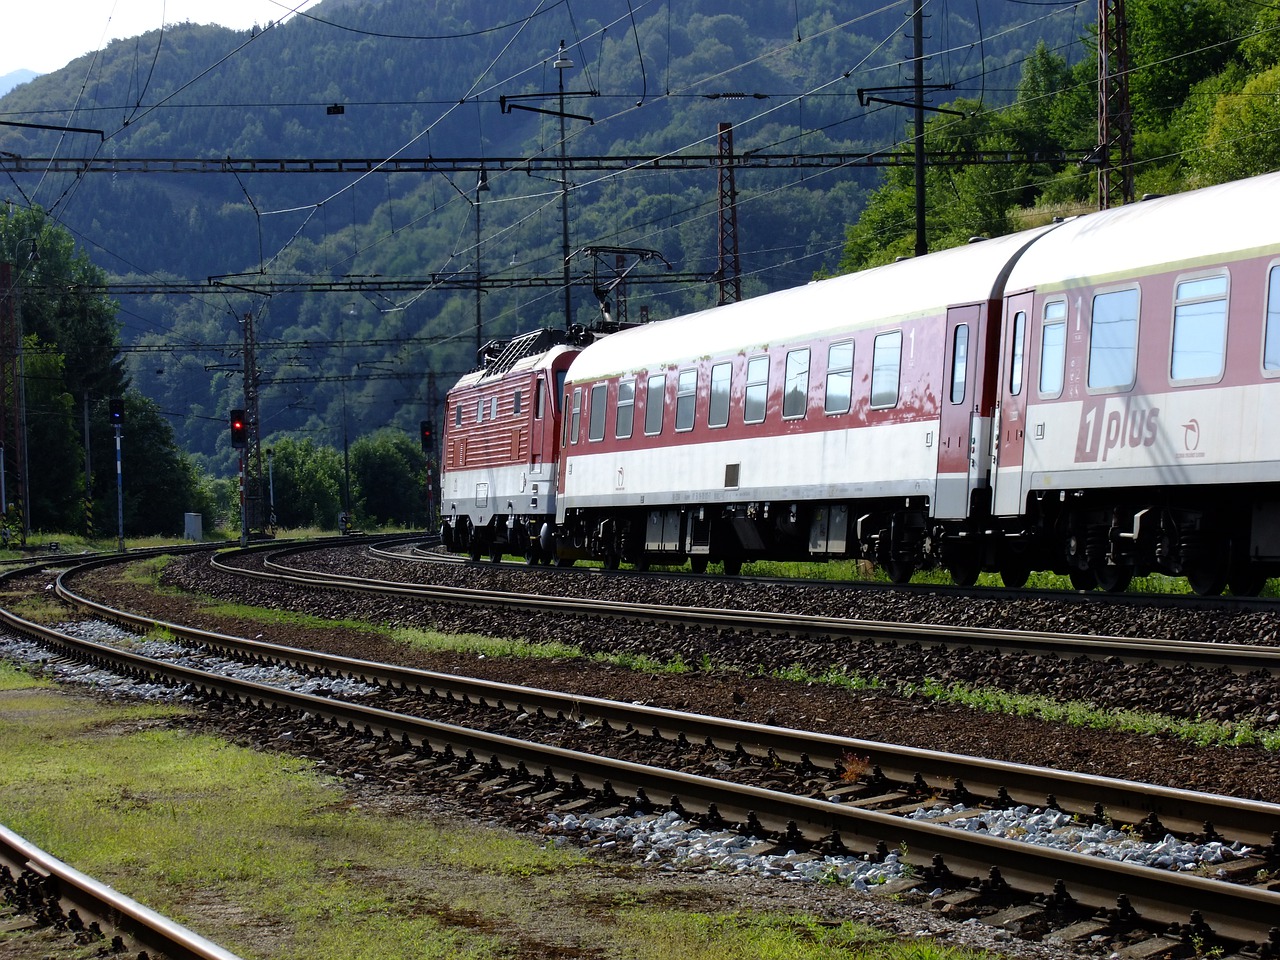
917,287
1181,229
526,351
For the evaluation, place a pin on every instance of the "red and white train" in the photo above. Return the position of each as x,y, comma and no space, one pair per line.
1088,397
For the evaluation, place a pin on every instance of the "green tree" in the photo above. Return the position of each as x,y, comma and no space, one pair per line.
388,470
308,484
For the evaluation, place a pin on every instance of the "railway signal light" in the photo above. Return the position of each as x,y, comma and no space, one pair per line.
239,430
115,409
428,437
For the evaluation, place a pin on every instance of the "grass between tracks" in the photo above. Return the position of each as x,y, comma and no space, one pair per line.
267,857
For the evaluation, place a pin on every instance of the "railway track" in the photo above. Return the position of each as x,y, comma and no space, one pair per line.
828,809
46,893
1239,658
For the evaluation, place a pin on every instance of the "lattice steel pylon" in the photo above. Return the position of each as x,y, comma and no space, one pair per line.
728,267
1115,117
12,448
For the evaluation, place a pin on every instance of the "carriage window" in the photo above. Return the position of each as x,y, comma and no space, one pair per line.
886,363
1015,362
517,402
1113,340
1199,329
576,423
959,362
718,410
479,411
839,377
753,405
654,398
626,411
457,415
686,398
795,398
540,400
493,408
1053,348
1271,337
595,421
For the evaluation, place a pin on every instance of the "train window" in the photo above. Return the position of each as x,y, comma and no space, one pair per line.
457,415
595,421
479,411
959,362
1271,346
1015,361
795,398
1199,329
718,410
655,396
493,408
625,415
575,422
1113,340
540,399
839,377
886,364
753,404
1053,348
517,401
686,399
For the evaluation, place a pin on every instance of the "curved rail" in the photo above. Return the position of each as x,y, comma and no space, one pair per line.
1240,658
1232,911
96,900
1184,811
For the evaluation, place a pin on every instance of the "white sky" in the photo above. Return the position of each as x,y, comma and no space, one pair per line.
44,35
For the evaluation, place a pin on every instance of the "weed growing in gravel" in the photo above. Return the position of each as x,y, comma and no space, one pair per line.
1204,733
736,936
834,677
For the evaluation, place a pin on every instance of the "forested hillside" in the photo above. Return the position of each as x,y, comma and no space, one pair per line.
469,83
422,80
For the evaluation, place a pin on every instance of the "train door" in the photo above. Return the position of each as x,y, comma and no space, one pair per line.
963,424
1011,408
538,438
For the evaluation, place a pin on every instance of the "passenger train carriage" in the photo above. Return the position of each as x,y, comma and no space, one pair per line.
1090,397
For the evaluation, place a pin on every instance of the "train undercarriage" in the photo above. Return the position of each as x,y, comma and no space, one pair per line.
1099,540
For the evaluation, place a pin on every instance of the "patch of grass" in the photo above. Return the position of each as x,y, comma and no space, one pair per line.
735,936
178,820
1076,714
13,677
431,641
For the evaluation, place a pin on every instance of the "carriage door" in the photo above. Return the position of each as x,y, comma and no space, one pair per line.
538,431
1011,408
962,428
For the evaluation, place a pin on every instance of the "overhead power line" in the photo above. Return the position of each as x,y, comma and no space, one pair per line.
344,165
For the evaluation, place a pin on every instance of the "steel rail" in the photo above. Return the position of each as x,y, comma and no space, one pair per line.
1183,811
96,900
1240,658
1235,912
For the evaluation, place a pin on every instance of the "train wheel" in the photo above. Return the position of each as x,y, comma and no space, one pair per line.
1246,583
1014,572
473,547
1083,579
1113,579
732,568
1206,581
611,560
899,571
698,564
